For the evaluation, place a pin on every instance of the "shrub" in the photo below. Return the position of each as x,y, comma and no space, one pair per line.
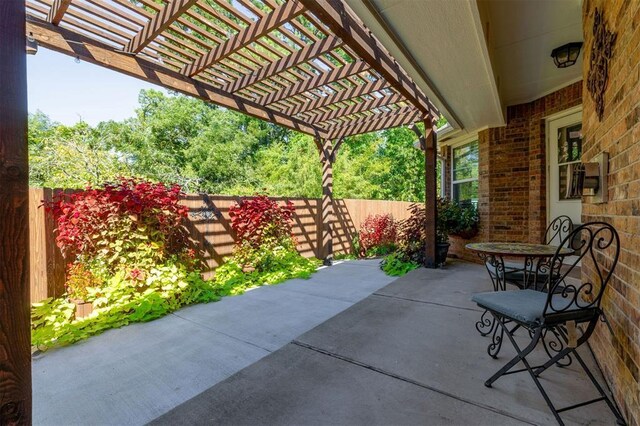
453,219
397,264
378,234
129,257
265,248
412,234
260,221
129,223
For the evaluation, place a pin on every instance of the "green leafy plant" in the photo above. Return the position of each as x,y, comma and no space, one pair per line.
453,219
456,219
79,280
130,222
412,234
129,257
265,249
125,298
356,246
397,264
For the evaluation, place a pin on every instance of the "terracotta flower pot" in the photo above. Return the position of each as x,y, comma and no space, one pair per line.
83,308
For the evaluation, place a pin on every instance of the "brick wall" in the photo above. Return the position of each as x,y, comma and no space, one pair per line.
619,134
512,178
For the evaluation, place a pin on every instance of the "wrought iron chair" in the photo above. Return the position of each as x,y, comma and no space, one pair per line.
570,310
555,233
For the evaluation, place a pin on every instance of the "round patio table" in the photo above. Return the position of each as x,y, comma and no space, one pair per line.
535,263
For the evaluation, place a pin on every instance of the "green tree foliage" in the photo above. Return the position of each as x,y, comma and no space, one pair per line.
70,156
202,147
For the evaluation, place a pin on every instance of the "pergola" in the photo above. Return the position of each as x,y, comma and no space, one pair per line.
309,65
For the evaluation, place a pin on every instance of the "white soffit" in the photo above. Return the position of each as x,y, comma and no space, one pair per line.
521,36
450,60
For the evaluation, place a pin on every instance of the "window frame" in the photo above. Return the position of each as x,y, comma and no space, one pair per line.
461,144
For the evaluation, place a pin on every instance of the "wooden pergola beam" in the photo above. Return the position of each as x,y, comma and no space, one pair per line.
327,158
303,55
58,9
320,119
340,96
334,14
158,23
430,179
323,79
15,318
95,52
377,122
246,36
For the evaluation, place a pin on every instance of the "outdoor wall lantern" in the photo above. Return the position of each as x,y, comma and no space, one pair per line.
595,182
567,54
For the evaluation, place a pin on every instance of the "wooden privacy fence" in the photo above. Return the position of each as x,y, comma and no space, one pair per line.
210,227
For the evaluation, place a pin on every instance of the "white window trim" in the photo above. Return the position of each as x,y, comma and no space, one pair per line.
466,141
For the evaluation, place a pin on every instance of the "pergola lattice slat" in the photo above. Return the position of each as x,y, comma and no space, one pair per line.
303,55
57,38
248,35
334,14
355,108
160,22
315,82
58,9
344,95
381,121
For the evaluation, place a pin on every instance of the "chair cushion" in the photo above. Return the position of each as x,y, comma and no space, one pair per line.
525,306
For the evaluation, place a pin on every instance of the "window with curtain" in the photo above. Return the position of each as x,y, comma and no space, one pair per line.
464,181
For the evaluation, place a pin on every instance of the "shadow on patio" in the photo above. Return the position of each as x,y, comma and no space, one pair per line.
407,354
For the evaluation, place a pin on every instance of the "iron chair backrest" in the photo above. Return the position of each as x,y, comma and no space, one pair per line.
559,228
594,242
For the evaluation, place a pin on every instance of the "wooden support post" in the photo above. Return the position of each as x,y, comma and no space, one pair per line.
430,158
15,336
327,157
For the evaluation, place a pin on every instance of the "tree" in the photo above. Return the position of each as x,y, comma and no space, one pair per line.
70,157
178,139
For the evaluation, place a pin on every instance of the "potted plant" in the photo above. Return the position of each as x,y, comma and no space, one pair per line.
79,280
453,219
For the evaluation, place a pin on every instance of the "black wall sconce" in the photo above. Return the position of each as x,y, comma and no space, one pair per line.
32,45
567,54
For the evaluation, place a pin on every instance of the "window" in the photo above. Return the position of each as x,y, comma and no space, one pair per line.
569,153
464,182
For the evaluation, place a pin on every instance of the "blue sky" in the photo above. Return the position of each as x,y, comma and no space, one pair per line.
68,92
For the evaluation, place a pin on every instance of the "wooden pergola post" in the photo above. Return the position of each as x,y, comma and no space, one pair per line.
15,336
430,178
327,157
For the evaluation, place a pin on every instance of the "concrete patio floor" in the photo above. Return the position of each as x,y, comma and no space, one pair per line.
132,375
406,355
399,354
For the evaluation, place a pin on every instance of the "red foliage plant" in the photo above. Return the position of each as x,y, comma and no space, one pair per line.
260,220
127,217
378,231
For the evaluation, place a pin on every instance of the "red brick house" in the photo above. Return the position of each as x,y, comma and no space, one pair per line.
522,121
